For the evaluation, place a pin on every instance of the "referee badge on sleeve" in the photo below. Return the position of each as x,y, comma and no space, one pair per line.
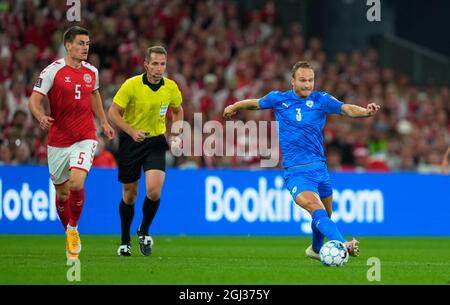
163,110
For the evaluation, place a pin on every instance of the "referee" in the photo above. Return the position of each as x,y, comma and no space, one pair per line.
139,111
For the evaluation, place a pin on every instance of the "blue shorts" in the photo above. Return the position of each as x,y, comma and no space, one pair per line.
313,177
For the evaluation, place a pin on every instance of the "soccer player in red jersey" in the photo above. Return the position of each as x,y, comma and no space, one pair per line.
71,85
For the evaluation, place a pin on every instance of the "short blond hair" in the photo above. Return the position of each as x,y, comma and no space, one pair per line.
300,65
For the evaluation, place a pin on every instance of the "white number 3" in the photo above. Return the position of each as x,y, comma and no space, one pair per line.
77,92
299,114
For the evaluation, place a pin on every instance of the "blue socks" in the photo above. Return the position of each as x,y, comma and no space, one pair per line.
322,226
317,239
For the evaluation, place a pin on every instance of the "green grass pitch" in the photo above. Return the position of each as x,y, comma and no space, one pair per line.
39,259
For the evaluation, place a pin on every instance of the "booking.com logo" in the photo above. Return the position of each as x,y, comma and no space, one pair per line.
265,203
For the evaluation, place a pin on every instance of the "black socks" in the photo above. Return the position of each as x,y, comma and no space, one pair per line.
126,217
149,210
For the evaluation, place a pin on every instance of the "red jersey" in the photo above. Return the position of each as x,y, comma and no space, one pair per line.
69,91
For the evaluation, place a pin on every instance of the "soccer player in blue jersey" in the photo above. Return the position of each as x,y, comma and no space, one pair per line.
301,115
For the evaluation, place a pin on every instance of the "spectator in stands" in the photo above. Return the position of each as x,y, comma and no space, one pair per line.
103,157
16,99
444,163
5,154
22,153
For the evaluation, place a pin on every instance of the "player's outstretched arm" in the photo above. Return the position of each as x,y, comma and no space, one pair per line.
355,111
97,109
444,164
250,104
34,105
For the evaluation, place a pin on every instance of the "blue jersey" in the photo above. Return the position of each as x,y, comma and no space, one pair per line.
300,123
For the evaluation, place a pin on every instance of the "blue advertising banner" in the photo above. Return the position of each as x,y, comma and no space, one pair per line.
233,202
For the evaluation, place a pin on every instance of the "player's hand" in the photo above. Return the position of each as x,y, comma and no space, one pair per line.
138,135
46,122
176,145
108,131
372,108
444,166
229,112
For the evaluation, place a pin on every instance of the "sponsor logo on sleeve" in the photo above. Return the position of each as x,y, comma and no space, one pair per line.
38,83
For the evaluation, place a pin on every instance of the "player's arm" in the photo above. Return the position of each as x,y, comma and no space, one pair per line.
115,114
177,120
444,164
355,111
250,104
99,112
177,127
35,106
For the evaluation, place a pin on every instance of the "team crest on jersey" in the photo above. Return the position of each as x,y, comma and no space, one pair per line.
38,83
309,103
87,78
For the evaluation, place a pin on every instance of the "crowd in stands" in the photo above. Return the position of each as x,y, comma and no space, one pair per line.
218,57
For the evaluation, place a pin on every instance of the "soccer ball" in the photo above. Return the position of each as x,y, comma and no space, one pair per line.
334,253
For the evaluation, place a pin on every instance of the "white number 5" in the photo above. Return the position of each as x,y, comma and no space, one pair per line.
77,92
299,114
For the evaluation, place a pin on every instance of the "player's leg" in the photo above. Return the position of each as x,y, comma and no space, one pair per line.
62,202
129,166
303,184
313,250
326,194
155,173
318,238
76,204
321,224
311,202
328,204
126,211
58,165
77,195
81,157
154,180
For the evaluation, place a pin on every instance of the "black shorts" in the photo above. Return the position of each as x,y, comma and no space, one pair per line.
133,156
